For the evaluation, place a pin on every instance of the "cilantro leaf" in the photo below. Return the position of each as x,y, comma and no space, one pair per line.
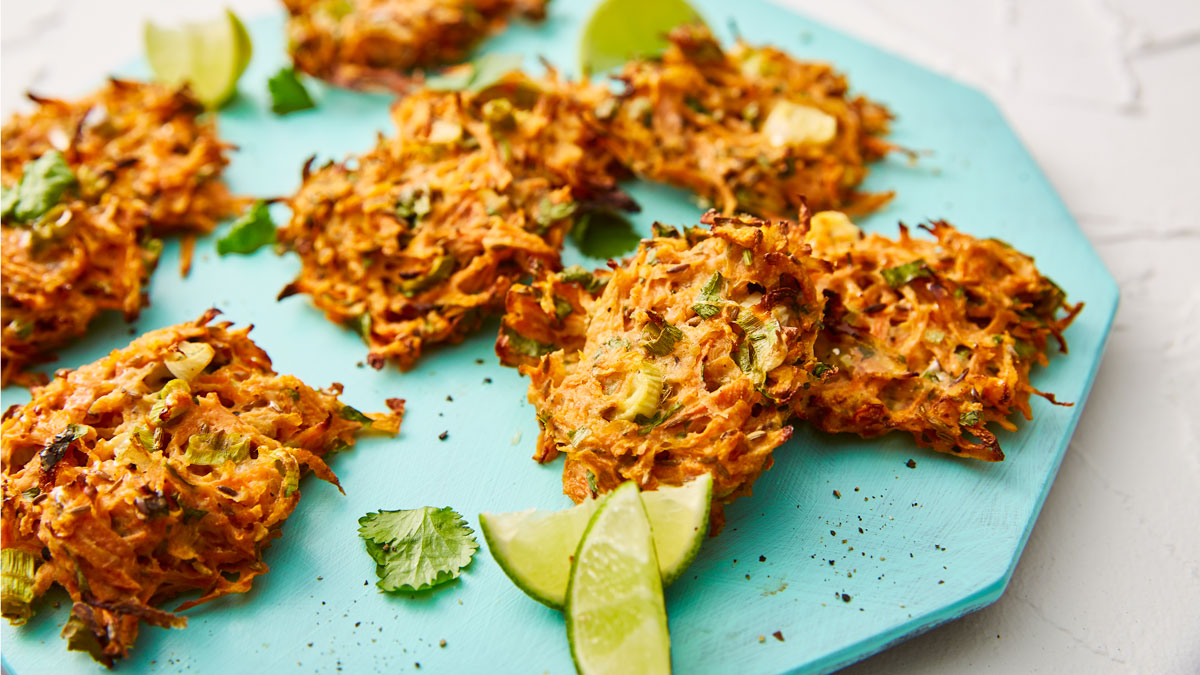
902,274
415,549
42,185
288,93
604,234
251,231
8,200
354,415
549,213
969,418
477,75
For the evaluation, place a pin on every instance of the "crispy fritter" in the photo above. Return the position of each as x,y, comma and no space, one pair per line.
375,43
165,467
58,276
690,355
933,337
144,144
750,129
415,242
144,164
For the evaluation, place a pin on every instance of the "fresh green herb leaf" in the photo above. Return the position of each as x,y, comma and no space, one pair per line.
22,327
591,481
969,418
250,232
708,302
526,346
659,338
288,94
477,75
821,368
352,414
214,449
604,235
415,549
191,514
902,274
584,278
43,183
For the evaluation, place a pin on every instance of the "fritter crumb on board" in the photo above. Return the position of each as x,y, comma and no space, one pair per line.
138,142
933,337
750,129
415,242
375,43
166,467
131,161
689,356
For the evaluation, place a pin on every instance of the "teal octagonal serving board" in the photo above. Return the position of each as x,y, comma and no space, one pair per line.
836,579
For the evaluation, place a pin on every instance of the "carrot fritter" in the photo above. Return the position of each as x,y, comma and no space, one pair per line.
750,129
933,337
375,43
690,355
163,468
59,275
416,241
144,144
134,161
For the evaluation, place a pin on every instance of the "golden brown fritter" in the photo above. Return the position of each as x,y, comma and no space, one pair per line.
416,241
165,467
140,162
375,43
59,275
144,144
933,337
691,353
749,129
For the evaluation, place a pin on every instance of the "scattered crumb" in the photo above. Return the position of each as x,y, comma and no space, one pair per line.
763,638
837,494
778,635
516,439
762,558
441,643
444,435
912,464
845,597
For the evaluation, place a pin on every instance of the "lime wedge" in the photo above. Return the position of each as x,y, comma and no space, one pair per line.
534,548
620,30
209,55
679,519
616,617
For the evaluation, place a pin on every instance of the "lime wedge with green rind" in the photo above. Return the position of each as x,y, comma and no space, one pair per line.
679,519
209,56
620,30
616,616
534,548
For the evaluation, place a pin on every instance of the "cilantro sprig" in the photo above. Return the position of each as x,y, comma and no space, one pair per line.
250,232
416,549
288,94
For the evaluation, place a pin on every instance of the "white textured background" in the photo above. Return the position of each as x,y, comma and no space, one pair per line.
1106,94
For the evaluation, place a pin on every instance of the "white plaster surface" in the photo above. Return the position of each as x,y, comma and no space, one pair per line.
1106,94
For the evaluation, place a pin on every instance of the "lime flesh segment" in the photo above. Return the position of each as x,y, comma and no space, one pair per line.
209,56
679,519
616,617
535,548
620,30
